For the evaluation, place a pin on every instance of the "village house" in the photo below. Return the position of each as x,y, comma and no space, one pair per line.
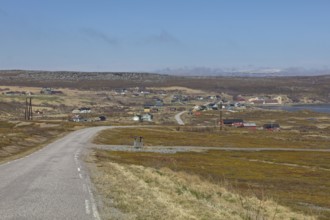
147,117
159,103
266,101
82,110
212,106
154,110
146,109
121,91
239,99
180,98
13,93
137,118
233,122
145,92
211,97
250,125
257,101
102,118
144,117
85,110
50,91
236,105
199,108
77,118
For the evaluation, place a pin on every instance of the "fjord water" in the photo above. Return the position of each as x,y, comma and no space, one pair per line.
322,108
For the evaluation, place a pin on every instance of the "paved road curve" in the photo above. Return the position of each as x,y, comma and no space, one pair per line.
178,119
50,183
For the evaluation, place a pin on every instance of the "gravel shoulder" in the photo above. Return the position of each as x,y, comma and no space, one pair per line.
175,149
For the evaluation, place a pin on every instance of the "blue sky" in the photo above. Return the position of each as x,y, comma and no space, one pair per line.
147,35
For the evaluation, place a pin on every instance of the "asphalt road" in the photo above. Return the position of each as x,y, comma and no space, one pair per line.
50,183
178,119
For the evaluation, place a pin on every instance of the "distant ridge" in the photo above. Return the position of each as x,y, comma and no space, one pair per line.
38,75
244,72
314,89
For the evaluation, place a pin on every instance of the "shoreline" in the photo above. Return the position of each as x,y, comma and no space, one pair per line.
318,108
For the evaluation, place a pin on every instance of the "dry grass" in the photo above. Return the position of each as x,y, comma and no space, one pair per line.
150,193
22,138
303,187
209,136
299,130
293,120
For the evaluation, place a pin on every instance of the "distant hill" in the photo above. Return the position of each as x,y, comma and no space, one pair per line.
244,72
314,88
96,80
76,76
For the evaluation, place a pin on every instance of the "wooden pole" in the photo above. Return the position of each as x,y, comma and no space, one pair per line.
31,113
26,109
220,116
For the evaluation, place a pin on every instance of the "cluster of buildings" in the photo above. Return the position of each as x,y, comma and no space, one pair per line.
239,123
179,98
44,91
50,91
138,91
268,100
82,115
17,93
143,117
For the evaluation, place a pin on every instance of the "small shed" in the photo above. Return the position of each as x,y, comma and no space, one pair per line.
147,109
102,118
85,110
272,127
137,118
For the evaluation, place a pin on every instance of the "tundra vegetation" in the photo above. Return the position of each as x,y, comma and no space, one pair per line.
203,184
296,179
22,138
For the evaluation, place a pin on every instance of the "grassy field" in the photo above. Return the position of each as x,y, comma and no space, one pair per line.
294,179
22,138
300,121
206,185
299,180
194,136
167,187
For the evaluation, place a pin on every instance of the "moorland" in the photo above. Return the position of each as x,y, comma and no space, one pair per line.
288,180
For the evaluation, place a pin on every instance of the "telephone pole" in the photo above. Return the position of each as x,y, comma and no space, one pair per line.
28,109
220,116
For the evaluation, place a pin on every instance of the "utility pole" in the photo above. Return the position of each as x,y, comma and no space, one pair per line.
220,116
28,109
